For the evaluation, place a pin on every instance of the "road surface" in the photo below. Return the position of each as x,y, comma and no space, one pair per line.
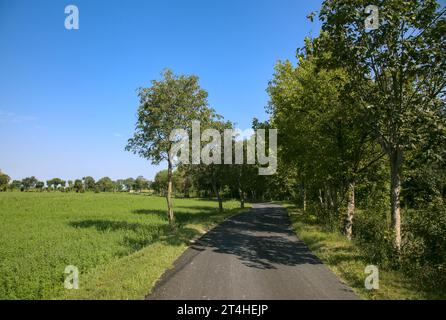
254,255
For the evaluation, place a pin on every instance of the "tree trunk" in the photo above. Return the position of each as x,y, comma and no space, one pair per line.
169,194
395,189
350,210
217,193
304,200
321,200
242,198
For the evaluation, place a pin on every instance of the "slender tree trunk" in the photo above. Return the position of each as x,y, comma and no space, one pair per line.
350,210
304,199
242,198
395,190
217,193
321,200
170,214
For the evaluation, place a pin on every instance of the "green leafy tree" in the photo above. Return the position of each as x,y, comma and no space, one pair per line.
89,183
4,181
404,59
29,183
105,184
55,183
16,185
168,104
160,182
141,183
40,185
78,186
129,184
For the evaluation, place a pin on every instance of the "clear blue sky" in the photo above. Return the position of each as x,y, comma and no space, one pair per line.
67,97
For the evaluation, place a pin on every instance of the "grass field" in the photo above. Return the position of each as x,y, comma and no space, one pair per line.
121,243
344,258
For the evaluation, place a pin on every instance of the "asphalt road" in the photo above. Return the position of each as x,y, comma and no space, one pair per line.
254,255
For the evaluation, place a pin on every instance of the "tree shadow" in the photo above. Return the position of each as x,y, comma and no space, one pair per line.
261,239
160,213
140,235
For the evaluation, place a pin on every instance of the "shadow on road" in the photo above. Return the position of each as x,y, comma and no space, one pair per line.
260,239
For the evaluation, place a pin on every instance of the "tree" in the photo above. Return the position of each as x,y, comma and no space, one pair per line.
105,184
324,131
16,185
89,183
40,185
214,174
4,181
55,183
141,183
29,182
405,60
78,185
160,182
129,184
168,104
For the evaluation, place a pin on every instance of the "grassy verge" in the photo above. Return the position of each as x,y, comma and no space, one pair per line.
121,243
344,258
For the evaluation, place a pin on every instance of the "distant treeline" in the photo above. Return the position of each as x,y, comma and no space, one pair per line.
88,183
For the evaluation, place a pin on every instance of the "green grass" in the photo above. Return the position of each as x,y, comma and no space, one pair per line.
121,243
344,258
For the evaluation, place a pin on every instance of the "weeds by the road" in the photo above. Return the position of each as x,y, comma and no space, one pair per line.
346,259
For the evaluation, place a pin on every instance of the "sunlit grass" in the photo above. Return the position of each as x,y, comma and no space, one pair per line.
121,243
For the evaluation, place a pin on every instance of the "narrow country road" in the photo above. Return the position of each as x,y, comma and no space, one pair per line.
254,255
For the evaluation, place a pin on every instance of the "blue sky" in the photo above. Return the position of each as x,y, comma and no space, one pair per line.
67,97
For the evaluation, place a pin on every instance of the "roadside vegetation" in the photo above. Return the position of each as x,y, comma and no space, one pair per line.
348,260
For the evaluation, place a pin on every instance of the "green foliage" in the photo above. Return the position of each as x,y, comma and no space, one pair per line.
89,183
348,259
4,181
55,183
78,185
424,251
40,185
168,104
29,183
105,184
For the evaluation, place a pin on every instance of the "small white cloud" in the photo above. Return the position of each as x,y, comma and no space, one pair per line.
118,135
11,117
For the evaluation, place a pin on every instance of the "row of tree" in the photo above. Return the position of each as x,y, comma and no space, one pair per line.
88,183
170,105
361,119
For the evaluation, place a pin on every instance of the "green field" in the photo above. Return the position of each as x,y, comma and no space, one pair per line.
121,243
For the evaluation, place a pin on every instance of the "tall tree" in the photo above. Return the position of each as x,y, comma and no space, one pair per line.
405,59
168,104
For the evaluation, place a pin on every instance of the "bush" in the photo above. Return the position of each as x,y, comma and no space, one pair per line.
371,232
423,253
